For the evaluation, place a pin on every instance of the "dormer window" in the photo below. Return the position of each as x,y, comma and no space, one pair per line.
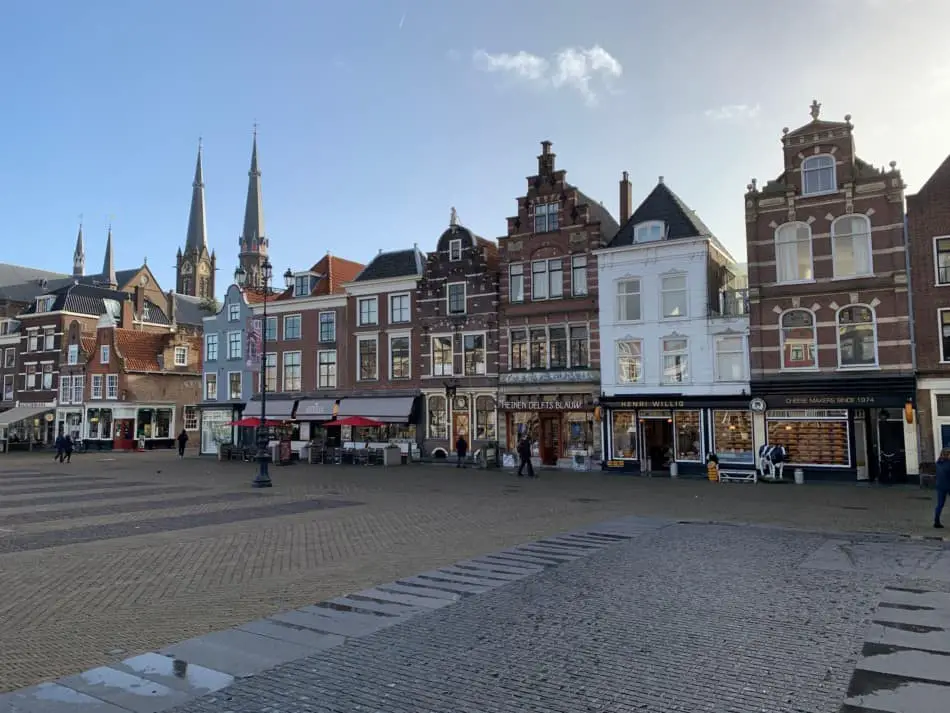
649,232
44,304
304,282
818,175
455,250
545,217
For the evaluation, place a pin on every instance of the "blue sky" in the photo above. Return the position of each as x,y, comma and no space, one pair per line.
377,116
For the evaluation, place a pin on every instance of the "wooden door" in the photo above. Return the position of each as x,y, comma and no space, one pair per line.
550,442
460,427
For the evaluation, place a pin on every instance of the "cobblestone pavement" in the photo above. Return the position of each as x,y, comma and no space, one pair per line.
68,602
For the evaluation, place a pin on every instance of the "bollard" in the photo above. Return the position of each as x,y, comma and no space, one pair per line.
799,476
674,469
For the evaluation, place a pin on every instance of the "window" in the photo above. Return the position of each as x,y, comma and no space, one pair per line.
9,358
399,358
555,278
649,232
47,377
302,285
211,387
398,309
368,311
943,317
181,356
104,354
96,391
799,339
49,339
8,387
851,246
629,361
818,175
7,327
326,370
442,358
438,419
327,327
580,348
234,345
32,340
270,329
730,359
545,217
270,372
485,418
65,389
579,275
793,253
675,296
112,386
628,301
291,371
557,337
367,362
72,355
191,418
29,377
942,260
211,347
516,283
44,304
474,354
78,383
234,312
455,250
857,337
539,280
234,385
519,349
539,348
675,361
455,292
292,327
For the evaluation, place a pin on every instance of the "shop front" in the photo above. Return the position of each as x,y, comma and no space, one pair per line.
310,417
27,426
216,425
846,428
155,426
560,428
677,435
109,427
69,422
456,411
401,414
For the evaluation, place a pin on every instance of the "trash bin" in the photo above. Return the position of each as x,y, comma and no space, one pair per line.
799,476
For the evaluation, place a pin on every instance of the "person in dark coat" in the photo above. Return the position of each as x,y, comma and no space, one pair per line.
524,454
60,447
182,442
943,484
461,448
68,447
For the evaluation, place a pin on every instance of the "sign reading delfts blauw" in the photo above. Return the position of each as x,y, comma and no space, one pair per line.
543,405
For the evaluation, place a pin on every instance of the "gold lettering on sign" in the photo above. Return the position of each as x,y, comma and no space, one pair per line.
829,400
649,404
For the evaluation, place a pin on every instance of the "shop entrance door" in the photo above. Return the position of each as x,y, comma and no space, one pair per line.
550,444
893,465
657,443
460,427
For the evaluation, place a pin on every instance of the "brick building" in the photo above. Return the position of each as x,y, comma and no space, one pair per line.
549,353
928,233
457,316
830,336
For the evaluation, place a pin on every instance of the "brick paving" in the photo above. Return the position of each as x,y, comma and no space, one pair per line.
72,605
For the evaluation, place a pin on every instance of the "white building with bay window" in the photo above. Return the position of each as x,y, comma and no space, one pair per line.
673,342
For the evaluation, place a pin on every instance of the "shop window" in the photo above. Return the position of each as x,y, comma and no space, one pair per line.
793,259
326,370
367,359
525,423
211,387
857,337
818,175
628,301
578,275
732,437
519,349
474,354
438,419
675,361
191,418
485,418
234,385
674,297
292,371
623,427
812,438
799,339
580,348
558,346
851,246
215,429
399,357
629,361
100,423
270,372
442,357
730,359
163,423
516,283
539,349
689,435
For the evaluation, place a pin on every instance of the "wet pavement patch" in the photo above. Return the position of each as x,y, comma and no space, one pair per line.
906,607
93,533
912,628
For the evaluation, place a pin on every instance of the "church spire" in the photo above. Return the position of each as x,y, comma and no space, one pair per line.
79,255
108,265
253,238
197,238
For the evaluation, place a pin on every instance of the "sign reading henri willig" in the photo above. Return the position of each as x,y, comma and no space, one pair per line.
649,404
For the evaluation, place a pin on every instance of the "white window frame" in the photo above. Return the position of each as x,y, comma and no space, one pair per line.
65,389
665,290
211,340
190,418
240,389
795,224
448,298
7,388
621,312
329,383
372,314
558,264
539,277
95,391
359,341
455,250
72,355
665,353
391,337
619,347
265,366
234,312
546,217
944,358
868,268
718,341
33,339
649,231
320,317
484,336
451,365
29,376
579,262
516,270
181,356
857,367
937,281
112,387
79,385
210,378
49,339
401,295
8,362
805,170
283,370
309,283
299,318
270,335
104,353
781,340
240,345
46,369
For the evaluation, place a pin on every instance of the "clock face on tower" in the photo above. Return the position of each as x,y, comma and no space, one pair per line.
203,270
186,268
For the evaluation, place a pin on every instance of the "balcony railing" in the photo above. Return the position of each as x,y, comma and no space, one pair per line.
732,303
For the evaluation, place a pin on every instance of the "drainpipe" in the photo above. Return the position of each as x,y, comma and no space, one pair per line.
913,339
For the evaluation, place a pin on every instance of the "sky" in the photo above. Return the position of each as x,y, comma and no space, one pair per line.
376,117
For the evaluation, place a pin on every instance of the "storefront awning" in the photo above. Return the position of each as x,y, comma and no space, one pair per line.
21,413
315,410
389,409
277,408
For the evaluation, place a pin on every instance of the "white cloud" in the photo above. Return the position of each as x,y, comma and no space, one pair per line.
574,68
733,112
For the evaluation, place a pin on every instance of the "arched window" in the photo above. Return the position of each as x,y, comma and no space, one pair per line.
857,337
851,245
186,285
818,175
438,418
799,338
793,253
485,418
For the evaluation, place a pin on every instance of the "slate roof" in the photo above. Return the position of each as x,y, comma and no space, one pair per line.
122,277
189,310
398,263
81,299
608,224
663,204
17,275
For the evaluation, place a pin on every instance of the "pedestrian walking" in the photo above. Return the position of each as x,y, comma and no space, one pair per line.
943,485
60,444
67,447
461,448
182,442
524,454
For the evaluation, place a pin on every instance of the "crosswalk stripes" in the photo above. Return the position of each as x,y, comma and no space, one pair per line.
905,663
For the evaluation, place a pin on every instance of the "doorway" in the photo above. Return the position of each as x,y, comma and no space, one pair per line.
861,448
891,456
657,440
550,444
460,427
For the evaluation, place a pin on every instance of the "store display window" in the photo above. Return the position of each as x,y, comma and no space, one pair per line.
689,435
623,440
732,436
812,438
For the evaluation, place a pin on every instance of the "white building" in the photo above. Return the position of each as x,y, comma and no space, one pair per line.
673,342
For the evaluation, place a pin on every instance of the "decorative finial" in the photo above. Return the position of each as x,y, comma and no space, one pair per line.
145,260
893,165
784,131
847,117
660,180
255,128
453,217
815,109
80,220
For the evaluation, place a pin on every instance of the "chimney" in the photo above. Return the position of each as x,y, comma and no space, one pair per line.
626,198
127,314
546,160
140,301
172,316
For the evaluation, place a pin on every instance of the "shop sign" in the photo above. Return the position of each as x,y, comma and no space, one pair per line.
758,405
615,464
542,405
648,404
830,401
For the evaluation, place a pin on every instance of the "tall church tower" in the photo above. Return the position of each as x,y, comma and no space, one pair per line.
79,255
195,266
253,241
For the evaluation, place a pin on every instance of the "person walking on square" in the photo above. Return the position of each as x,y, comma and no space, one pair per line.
182,442
461,448
524,454
67,447
60,447
943,485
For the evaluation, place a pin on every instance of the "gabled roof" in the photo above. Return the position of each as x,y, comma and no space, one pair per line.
82,299
122,278
334,273
88,344
664,205
398,263
189,310
598,213
256,296
938,180
141,351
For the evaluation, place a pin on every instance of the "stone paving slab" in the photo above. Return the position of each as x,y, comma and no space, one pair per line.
125,690
177,674
54,698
